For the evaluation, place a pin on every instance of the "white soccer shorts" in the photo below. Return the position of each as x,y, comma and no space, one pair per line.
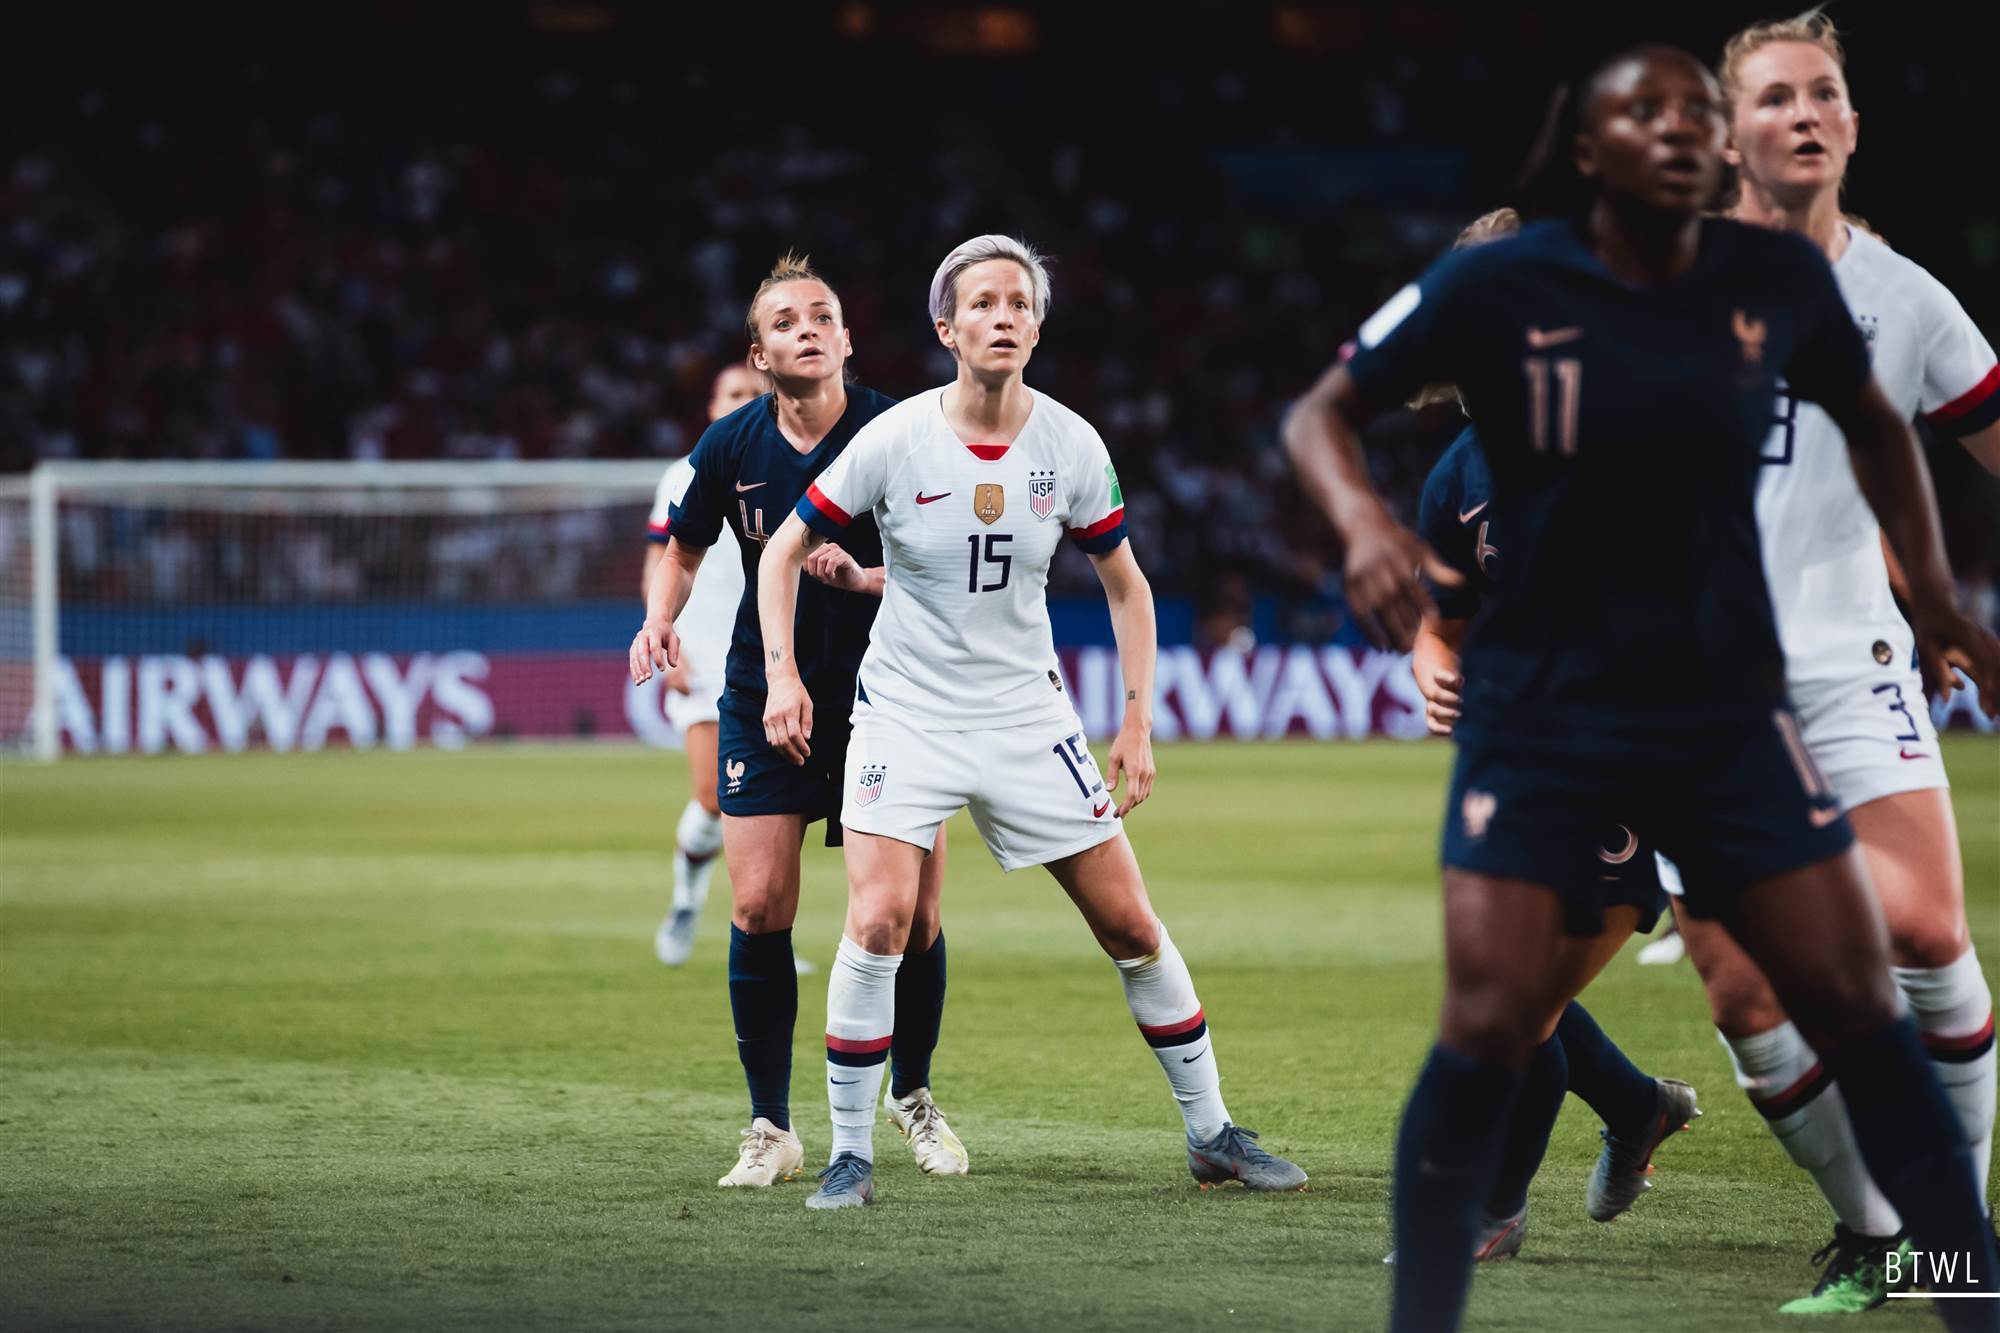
696,706
1034,790
1869,736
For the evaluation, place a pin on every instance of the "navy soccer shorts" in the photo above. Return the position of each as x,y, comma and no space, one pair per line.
1729,814
753,779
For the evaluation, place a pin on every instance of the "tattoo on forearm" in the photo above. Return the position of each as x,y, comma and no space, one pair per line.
777,656
1130,695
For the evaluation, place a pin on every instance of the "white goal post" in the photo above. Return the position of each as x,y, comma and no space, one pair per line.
195,606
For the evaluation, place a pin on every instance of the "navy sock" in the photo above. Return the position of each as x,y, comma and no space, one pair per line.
1624,1099
919,1011
764,999
1446,1154
1535,1111
1913,1145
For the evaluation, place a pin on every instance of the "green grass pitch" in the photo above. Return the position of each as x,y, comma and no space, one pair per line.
359,1041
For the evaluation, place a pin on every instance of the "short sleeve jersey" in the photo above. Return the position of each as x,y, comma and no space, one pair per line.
1623,426
707,623
747,476
963,641
1822,545
1455,517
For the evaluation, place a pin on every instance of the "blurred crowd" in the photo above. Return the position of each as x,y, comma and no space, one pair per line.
545,252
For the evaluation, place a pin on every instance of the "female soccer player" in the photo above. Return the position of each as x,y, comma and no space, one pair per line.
757,460
694,684
1860,702
960,702
1622,894
1622,360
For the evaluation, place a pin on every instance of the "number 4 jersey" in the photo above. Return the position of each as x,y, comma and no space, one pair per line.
962,642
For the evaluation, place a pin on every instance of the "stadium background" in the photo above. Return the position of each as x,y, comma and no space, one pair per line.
526,231
371,1040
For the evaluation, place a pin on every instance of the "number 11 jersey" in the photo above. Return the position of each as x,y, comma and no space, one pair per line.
962,642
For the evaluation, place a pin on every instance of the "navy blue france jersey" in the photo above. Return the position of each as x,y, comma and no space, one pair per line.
1623,427
1455,516
748,475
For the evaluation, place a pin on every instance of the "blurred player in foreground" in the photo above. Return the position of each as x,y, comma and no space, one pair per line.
1849,656
960,701
1458,519
1622,360
695,683
758,460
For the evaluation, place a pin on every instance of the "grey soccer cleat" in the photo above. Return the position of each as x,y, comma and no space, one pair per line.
848,1182
673,942
1624,1164
1233,1154
1497,1238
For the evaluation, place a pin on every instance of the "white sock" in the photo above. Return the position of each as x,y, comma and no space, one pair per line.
1162,999
1954,1012
697,838
1801,1103
860,1020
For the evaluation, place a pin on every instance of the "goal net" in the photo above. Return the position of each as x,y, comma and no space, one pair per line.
208,607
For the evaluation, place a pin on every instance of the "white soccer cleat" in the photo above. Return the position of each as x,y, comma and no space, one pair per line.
917,1119
768,1154
1665,951
673,942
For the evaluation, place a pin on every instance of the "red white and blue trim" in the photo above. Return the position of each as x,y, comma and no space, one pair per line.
659,532
1103,536
1186,1031
821,514
1972,411
857,1054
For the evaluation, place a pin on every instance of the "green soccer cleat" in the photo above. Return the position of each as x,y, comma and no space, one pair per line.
1855,1279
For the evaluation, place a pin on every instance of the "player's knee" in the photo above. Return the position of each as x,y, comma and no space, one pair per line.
1851,1003
1936,941
1129,939
879,931
924,927
1489,1026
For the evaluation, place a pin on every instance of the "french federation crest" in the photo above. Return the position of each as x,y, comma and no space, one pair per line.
868,787
989,501
1041,494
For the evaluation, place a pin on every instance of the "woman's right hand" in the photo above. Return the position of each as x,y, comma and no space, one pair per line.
654,646
1385,590
1440,687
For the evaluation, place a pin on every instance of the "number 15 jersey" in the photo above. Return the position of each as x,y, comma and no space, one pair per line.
962,642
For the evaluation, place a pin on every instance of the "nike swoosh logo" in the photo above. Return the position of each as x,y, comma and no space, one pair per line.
1190,1059
740,487
1473,512
923,499
1553,337
1097,812
1907,755
1821,818
844,1082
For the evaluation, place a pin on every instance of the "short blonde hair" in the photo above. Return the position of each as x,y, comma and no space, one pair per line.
1486,227
791,267
1813,28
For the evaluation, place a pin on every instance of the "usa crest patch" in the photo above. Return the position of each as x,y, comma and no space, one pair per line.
1041,494
868,787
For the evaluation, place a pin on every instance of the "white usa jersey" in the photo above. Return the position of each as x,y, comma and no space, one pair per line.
962,642
708,621
1822,545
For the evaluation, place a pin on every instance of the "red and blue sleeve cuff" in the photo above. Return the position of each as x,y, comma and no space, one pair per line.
1102,536
659,532
821,514
1972,411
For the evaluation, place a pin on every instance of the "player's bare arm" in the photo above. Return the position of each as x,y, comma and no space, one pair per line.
669,581
1889,467
832,565
1434,661
787,707
1323,439
1984,445
1134,627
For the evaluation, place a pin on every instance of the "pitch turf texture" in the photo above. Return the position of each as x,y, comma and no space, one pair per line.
365,1041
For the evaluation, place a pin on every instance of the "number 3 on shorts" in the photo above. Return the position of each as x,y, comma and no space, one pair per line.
1082,767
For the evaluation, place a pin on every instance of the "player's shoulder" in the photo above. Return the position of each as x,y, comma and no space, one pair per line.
887,422
1065,425
1742,247
870,403
1886,269
729,435
1461,470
